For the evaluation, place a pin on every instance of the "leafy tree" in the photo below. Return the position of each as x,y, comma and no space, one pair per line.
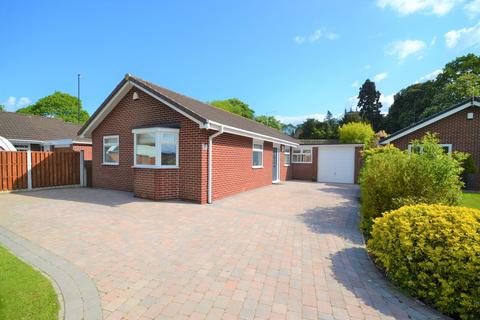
350,116
2,108
269,121
469,63
57,105
315,129
369,104
235,106
465,86
408,105
356,132
420,100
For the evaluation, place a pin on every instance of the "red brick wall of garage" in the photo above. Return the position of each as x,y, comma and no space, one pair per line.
232,166
147,111
457,130
87,150
306,171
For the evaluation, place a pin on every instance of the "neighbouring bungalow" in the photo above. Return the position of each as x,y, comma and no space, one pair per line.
37,133
458,129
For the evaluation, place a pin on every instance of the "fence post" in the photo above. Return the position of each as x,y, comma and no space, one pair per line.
29,170
82,184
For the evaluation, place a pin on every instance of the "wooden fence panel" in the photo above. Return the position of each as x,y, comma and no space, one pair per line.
51,169
48,169
13,170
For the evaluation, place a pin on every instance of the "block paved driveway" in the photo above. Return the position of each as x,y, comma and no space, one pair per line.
290,251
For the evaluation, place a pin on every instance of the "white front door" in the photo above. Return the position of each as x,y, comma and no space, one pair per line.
336,164
275,166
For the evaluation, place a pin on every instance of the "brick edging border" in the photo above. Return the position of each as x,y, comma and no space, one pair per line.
78,296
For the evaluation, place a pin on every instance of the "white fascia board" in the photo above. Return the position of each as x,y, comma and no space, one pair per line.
250,134
433,120
25,141
58,142
82,142
333,145
106,110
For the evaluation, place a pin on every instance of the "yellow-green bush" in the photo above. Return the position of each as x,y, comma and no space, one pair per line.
433,251
391,178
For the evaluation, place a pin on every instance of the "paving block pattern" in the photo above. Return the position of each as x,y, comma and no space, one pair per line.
288,251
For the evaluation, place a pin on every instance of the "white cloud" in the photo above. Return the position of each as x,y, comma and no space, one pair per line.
352,102
381,76
367,67
403,49
387,101
13,103
465,37
355,84
434,41
300,118
473,8
406,7
430,76
315,36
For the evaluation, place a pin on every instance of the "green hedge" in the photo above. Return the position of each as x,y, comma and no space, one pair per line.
433,251
391,178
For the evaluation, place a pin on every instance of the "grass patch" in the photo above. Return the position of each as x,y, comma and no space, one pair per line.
24,292
470,200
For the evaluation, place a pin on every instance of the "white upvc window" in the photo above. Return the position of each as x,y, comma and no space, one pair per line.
22,147
257,154
302,155
111,150
156,147
447,148
287,156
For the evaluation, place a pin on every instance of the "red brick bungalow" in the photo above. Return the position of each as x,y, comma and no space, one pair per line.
159,145
458,129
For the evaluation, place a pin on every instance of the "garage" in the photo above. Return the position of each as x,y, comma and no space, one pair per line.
336,163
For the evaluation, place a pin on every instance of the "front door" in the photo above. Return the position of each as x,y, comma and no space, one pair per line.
275,165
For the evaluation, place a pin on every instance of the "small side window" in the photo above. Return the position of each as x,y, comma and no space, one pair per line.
110,150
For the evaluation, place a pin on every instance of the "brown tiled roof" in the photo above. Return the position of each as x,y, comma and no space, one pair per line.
199,110
29,127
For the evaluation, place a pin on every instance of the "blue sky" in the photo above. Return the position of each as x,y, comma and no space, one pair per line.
291,59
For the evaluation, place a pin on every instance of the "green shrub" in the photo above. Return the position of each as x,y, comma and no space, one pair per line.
432,251
391,178
356,132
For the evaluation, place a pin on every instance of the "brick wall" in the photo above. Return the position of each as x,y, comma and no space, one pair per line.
156,184
147,111
285,171
232,166
457,130
87,150
306,171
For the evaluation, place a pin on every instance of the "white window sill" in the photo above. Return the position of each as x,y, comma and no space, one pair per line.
257,167
302,162
155,167
286,165
109,163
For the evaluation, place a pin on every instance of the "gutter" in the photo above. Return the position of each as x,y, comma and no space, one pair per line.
210,144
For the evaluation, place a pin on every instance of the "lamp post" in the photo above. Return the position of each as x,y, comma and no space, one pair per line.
78,97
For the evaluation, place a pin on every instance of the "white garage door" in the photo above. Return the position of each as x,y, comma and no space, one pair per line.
336,164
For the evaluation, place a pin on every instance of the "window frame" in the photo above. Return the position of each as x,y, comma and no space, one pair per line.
302,149
287,155
254,142
103,150
158,132
448,145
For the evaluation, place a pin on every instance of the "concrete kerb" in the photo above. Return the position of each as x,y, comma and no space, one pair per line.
77,294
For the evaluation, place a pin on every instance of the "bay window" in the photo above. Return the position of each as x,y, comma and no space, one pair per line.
156,147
